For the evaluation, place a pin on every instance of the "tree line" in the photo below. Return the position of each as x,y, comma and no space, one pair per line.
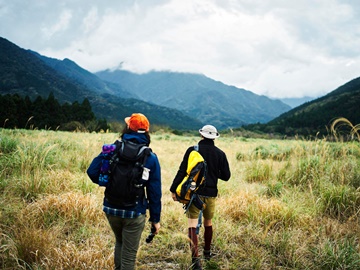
22,112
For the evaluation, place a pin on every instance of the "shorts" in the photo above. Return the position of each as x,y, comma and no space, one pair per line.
209,211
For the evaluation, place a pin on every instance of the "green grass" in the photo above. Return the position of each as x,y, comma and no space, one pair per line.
290,204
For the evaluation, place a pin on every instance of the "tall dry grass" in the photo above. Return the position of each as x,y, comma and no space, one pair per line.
288,205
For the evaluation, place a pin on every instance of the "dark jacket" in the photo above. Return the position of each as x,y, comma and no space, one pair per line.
217,168
153,185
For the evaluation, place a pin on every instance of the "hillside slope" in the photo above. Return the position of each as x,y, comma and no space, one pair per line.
315,117
83,77
199,96
27,73
23,73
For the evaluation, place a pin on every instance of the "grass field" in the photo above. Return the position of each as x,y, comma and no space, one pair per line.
290,204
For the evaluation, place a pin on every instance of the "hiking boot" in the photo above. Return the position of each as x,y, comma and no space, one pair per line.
207,255
196,265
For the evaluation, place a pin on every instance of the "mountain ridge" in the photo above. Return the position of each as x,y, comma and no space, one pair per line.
195,99
26,73
315,117
198,96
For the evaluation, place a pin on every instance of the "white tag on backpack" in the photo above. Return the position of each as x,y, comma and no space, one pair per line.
145,174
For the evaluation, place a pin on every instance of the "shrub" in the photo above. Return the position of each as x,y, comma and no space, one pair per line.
274,189
8,145
337,254
274,152
340,202
258,172
307,172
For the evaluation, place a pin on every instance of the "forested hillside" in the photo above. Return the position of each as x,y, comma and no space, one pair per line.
314,118
19,112
25,73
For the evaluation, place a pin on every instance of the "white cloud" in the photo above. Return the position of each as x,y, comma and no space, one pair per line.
90,21
60,26
278,48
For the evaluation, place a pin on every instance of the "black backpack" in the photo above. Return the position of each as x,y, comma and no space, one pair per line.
126,185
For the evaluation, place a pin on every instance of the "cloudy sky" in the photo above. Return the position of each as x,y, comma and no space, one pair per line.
278,48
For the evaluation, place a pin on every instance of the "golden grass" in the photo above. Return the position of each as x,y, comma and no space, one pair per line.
342,122
287,204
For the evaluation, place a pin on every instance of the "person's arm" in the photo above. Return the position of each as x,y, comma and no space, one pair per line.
153,190
224,173
94,169
157,227
173,196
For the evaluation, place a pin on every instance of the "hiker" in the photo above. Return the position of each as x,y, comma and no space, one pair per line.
128,222
217,168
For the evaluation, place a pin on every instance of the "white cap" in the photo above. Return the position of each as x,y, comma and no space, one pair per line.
209,132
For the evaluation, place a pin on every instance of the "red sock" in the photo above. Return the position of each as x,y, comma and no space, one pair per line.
193,242
208,237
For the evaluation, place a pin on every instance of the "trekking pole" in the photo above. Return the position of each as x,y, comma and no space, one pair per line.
199,222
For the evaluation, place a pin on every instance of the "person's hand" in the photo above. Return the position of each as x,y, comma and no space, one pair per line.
173,195
157,227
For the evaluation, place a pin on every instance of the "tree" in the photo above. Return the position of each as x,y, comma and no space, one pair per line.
86,113
39,112
16,111
8,116
55,113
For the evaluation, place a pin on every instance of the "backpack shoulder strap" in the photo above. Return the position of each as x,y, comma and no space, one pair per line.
196,147
204,169
147,153
118,144
132,151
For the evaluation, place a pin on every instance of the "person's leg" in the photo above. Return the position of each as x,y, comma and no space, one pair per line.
192,215
132,231
208,232
127,235
116,224
193,237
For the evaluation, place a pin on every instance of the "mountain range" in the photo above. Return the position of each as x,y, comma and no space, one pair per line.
198,96
182,101
177,100
27,73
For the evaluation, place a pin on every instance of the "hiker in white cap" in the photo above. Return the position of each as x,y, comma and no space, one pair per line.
217,168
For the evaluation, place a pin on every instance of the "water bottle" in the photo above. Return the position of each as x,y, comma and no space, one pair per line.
108,151
192,186
108,148
103,180
104,173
